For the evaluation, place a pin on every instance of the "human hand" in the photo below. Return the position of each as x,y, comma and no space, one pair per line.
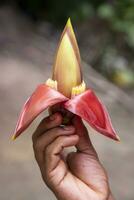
77,176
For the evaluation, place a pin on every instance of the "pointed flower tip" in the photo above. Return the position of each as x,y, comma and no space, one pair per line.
118,138
69,24
13,137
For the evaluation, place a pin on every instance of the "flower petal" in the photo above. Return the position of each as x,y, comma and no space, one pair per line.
67,65
41,99
89,108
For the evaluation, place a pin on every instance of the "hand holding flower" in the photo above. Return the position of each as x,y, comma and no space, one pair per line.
78,175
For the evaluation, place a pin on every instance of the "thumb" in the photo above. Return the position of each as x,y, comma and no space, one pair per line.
84,144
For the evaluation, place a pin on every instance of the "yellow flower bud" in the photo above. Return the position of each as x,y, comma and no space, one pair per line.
67,69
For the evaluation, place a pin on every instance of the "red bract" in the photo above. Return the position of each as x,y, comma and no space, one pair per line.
68,89
88,107
41,99
85,105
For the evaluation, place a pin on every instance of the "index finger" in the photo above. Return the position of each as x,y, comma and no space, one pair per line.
46,124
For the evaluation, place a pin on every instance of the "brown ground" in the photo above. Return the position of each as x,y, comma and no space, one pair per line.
26,56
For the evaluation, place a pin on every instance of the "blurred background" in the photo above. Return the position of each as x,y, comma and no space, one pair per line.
29,34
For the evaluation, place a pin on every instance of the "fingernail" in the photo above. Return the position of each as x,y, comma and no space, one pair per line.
52,117
68,128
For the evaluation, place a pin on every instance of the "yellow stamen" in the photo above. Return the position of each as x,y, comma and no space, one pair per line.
78,89
51,83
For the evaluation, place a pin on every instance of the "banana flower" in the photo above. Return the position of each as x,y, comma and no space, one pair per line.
67,89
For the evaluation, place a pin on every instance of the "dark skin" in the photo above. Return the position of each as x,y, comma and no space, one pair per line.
77,176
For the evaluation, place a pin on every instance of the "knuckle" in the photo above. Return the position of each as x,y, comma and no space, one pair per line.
48,150
58,130
61,139
44,123
51,148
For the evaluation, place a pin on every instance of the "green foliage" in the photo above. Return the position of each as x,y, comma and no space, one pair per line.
123,78
121,17
60,10
119,13
117,68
